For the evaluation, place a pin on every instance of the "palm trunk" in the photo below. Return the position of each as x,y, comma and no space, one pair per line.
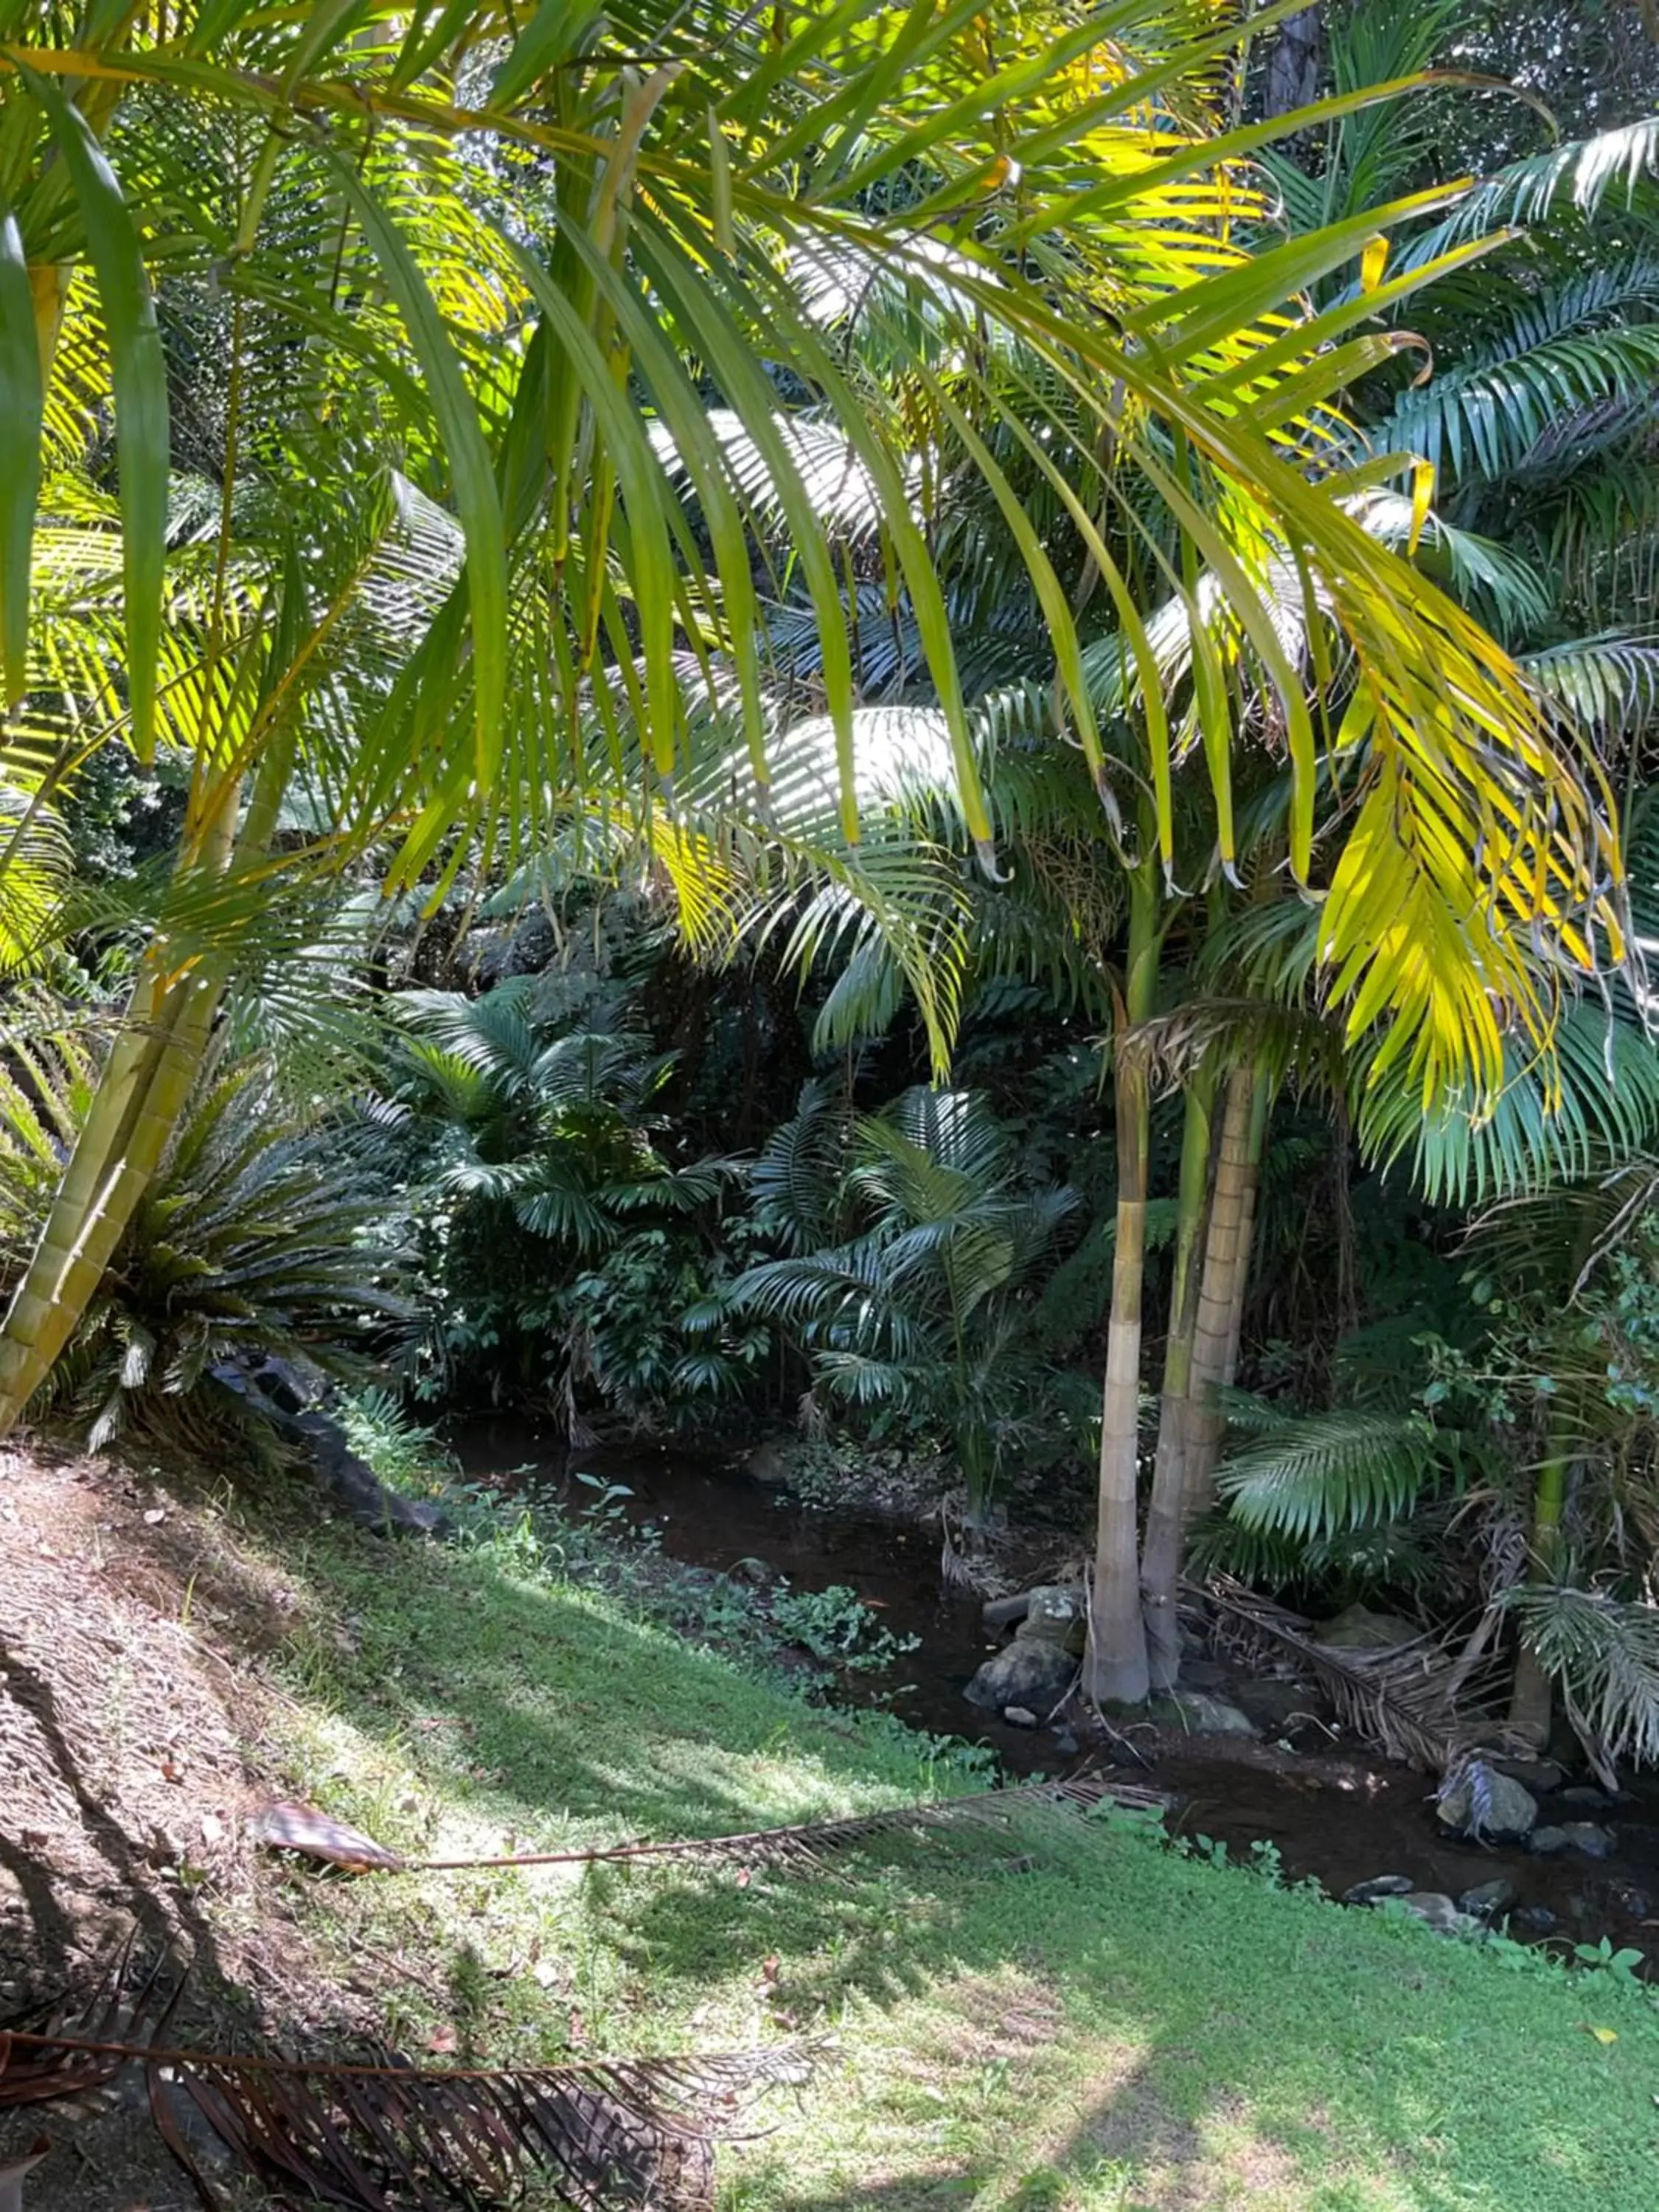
144,1094
1117,1636
1261,1106
1160,1566
1296,62
1531,1702
1226,1276
144,1088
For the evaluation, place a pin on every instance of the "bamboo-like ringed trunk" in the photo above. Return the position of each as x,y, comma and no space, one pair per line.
1117,1636
1226,1274
1166,1513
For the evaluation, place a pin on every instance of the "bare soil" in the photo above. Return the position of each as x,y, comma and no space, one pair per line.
132,1702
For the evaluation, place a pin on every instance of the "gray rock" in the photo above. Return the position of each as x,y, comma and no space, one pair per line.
1029,1672
1596,1801
1359,1629
1055,1614
1590,1839
1504,1813
1533,1920
1490,1898
1200,1714
1271,1705
768,1463
1066,1743
1540,1775
1379,1887
1437,1910
1587,1838
1003,1612
1019,1717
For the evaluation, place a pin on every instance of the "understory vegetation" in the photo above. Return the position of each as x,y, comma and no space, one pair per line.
913,745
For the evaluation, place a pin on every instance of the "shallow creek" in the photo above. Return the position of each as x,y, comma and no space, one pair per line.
1332,1811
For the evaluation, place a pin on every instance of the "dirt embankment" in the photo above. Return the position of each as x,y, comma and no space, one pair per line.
135,1694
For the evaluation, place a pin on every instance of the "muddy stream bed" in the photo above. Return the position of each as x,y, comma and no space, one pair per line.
1334,1812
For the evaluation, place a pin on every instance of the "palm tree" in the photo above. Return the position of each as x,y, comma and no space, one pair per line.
543,248
918,1245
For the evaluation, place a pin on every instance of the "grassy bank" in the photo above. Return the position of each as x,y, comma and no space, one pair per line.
1064,2015
1068,2017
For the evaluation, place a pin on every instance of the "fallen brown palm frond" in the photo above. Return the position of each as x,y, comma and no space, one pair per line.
803,1848
604,2135
13,2175
1410,1700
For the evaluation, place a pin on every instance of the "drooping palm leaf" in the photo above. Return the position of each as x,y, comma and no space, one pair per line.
800,1848
1320,1474
1603,1653
1397,1699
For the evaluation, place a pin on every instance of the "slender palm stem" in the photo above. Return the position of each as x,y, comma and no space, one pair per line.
1227,1275
1166,1514
1118,1668
1530,1699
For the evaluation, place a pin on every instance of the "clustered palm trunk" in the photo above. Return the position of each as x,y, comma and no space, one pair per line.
1118,1640
1136,1630
1205,1323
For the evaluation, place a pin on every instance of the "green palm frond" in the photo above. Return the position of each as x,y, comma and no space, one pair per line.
1609,683
1585,343
1596,1106
1603,1653
1328,1473
1581,172
1382,149
795,1182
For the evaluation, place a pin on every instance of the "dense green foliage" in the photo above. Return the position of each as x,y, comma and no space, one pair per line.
790,566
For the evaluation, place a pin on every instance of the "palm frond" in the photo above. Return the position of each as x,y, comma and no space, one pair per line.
795,1180
1323,1473
800,1849
600,2134
1602,1653
1582,171
1608,684
1565,353
1598,1105
1401,1699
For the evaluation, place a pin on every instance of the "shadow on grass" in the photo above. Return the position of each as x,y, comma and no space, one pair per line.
1066,2015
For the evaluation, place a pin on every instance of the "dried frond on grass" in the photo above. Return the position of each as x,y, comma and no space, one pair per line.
602,2135
801,1848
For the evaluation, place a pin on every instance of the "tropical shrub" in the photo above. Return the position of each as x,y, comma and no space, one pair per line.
262,1234
918,1251
570,1250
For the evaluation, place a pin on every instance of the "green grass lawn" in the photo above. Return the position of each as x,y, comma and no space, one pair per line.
1065,2015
